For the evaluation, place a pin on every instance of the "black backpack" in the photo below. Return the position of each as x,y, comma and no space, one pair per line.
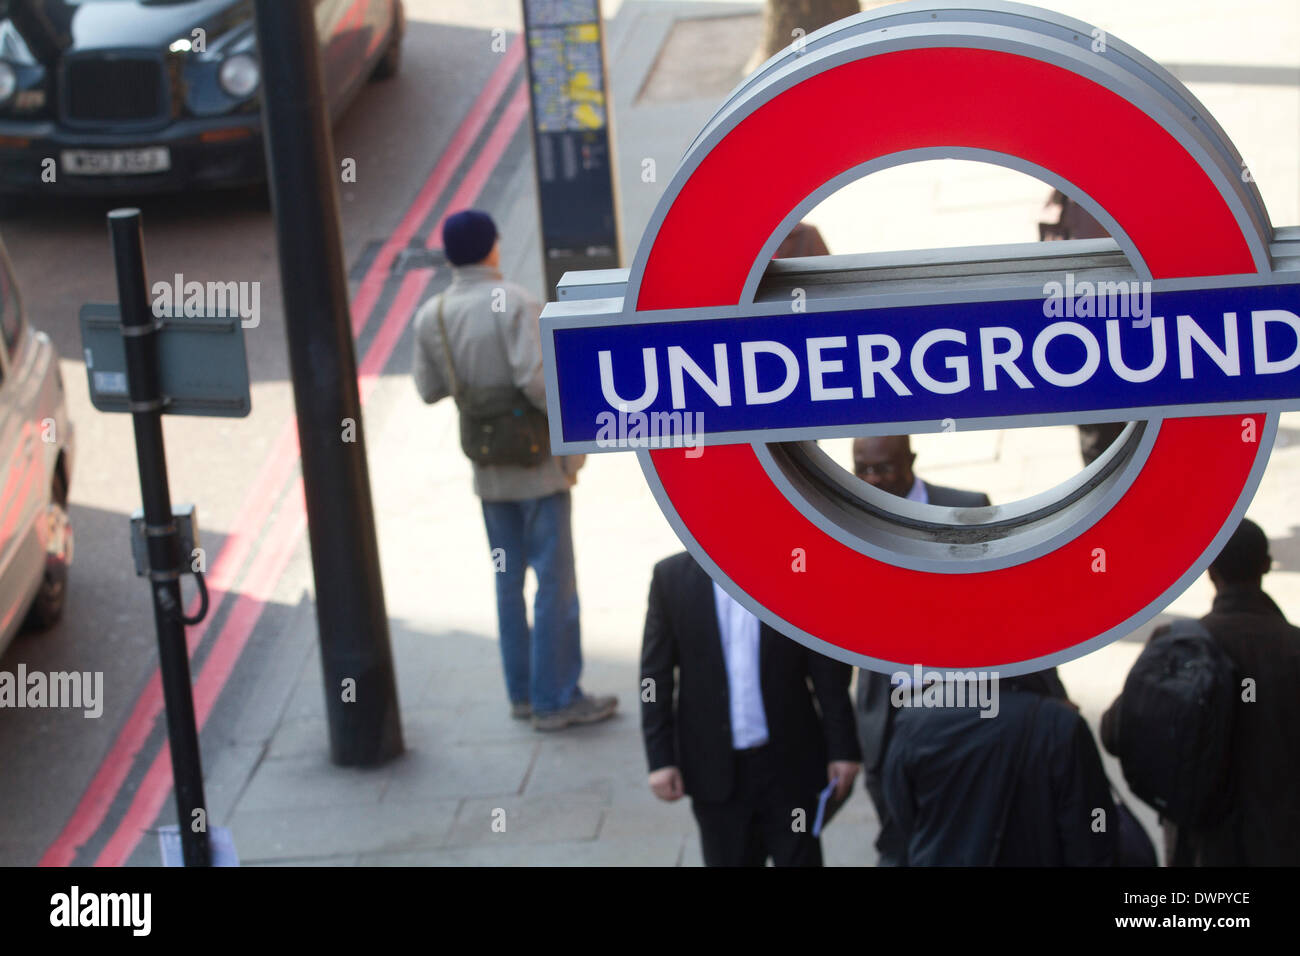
1175,725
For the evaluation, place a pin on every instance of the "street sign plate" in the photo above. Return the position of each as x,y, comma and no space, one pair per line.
203,369
897,364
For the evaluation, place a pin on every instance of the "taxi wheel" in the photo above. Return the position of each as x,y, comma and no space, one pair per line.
47,606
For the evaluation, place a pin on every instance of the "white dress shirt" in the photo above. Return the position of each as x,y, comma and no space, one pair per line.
739,630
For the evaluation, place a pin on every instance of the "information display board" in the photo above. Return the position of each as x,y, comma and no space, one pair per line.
571,138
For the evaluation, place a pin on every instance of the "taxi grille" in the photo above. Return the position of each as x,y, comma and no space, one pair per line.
104,90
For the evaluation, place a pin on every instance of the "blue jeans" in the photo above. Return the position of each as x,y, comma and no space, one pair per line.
543,667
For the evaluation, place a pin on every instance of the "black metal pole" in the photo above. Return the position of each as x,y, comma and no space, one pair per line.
364,722
140,339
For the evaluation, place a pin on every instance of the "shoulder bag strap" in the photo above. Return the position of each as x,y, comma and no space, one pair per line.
1021,746
446,353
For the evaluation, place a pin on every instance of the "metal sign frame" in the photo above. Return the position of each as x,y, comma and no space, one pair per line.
1009,588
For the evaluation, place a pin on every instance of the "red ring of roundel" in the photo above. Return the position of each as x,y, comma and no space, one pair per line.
951,97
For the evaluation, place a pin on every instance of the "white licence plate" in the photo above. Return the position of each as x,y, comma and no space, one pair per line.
116,162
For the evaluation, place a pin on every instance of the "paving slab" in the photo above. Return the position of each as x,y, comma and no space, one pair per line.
347,859
227,773
311,782
603,852
600,755
546,818
305,832
432,768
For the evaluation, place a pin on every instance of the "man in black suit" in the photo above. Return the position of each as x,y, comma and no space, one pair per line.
730,716
886,463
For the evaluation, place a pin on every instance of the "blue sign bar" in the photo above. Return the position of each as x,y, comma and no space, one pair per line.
1058,357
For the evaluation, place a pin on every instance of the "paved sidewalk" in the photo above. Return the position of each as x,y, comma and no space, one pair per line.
579,797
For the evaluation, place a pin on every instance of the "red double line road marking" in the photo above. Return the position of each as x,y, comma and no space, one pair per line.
276,471
372,286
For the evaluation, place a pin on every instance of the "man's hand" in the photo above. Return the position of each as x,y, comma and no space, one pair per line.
666,782
843,773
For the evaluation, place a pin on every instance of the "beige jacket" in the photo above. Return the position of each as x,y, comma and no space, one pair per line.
490,346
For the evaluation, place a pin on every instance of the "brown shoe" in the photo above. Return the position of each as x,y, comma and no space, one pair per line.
581,710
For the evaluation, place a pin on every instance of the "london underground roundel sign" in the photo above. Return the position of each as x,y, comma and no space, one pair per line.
721,367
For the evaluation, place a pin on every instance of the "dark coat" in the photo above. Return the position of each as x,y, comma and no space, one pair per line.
1262,827
949,774
872,704
688,723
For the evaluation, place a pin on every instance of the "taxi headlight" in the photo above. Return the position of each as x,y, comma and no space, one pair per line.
240,75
